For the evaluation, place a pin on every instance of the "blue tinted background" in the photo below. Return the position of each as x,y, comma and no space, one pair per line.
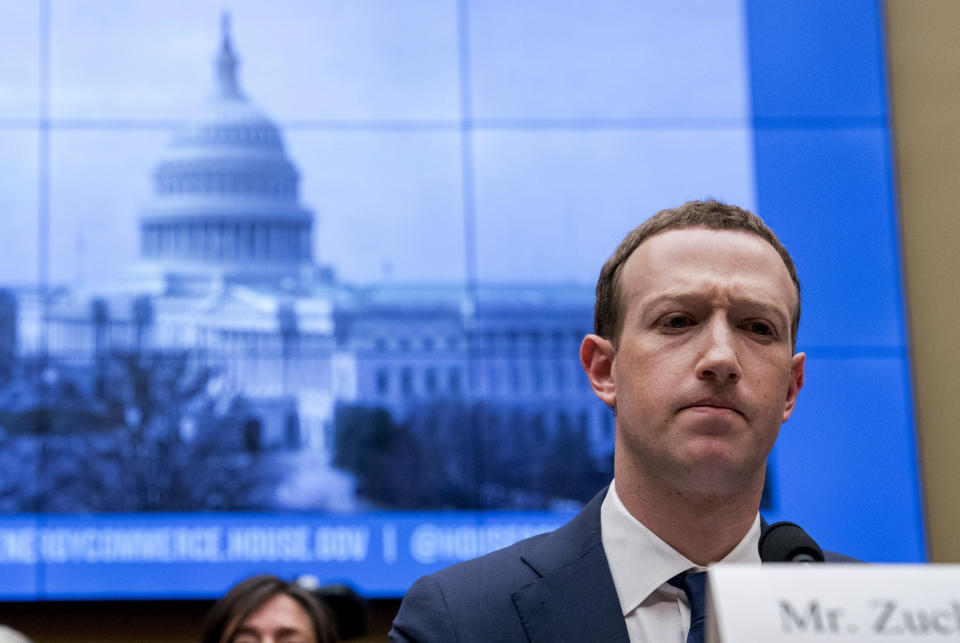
846,462
475,143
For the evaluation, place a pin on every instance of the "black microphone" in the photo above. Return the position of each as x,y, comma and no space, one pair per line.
785,542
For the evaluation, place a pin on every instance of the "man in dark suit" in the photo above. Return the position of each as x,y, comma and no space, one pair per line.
693,349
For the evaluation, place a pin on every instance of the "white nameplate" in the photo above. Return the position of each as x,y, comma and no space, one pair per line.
833,602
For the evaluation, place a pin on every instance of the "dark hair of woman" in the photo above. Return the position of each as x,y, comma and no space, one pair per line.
246,597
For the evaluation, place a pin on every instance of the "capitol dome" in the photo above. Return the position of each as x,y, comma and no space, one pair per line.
225,201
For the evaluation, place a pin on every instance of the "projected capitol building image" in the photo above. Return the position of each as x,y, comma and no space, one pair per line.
228,275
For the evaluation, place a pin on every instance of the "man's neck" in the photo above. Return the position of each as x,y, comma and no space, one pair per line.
702,527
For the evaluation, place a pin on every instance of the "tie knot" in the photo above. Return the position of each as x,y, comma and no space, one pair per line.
692,583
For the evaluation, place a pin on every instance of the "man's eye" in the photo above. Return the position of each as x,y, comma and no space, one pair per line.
760,328
677,321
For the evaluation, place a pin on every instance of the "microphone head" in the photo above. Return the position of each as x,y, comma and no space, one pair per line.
785,542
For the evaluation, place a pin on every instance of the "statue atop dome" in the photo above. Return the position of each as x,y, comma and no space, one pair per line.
226,68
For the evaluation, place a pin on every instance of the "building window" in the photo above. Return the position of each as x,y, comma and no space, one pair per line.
533,337
291,431
430,380
248,241
453,380
492,379
536,378
557,339
253,435
582,420
383,381
406,382
560,376
538,427
428,343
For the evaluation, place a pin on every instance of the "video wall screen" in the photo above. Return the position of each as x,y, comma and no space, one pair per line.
299,288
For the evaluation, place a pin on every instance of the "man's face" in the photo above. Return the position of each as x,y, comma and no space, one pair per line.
703,375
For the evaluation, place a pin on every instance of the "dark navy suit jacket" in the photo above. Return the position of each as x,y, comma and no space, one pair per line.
550,588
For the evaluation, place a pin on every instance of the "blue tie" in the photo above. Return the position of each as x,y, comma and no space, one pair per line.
694,586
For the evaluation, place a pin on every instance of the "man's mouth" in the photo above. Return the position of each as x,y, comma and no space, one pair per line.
712,406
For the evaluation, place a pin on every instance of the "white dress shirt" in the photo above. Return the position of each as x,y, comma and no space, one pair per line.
641,564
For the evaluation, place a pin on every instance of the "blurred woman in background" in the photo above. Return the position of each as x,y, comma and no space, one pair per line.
266,609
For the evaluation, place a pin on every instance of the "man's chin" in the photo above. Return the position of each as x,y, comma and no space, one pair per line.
718,448
711,422
715,466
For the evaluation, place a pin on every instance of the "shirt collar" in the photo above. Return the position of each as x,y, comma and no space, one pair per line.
640,561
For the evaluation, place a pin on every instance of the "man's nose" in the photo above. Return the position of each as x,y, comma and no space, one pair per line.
719,360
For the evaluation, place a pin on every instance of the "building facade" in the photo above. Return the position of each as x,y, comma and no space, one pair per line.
227,274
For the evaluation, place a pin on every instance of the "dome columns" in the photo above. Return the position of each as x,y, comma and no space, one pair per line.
224,242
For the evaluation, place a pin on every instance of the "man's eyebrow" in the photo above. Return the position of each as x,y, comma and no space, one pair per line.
687,297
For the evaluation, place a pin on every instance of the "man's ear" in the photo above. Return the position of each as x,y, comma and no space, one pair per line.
596,356
796,383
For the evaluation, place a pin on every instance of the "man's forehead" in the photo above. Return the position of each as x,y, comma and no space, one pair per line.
719,255
695,239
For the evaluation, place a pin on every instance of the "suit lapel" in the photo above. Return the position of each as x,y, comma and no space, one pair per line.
574,598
